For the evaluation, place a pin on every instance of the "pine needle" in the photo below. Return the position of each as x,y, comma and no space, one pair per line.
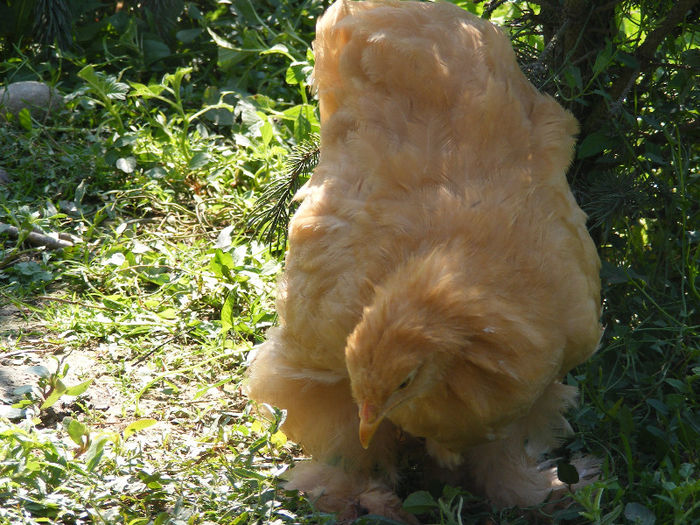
165,13
270,216
53,22
613,195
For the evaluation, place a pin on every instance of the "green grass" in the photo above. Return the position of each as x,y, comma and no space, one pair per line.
167,289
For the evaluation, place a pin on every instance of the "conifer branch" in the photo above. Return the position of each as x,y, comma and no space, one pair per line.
270,216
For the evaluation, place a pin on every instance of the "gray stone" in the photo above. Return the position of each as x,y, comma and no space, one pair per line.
36,96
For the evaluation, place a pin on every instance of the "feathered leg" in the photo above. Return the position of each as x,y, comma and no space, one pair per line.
322,417
509,471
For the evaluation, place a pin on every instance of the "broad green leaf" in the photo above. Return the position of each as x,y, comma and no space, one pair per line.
222,265
244,518
94,452
80,192
175,79
168,313
137,426
33,466
154,50
78,389
278,439
76,430
194,11
106,87
691,57
199,160
298,72
244,473
156,276
592,145
114,302
639,514
227,312
59,386
88,74
419,502
659,406
573,78
627,59
266,132
220,41
257,427
25,119
603,59
146,91
280,49
58,391
188,35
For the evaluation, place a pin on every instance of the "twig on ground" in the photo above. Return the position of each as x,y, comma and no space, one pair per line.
71,301
53,241
152,351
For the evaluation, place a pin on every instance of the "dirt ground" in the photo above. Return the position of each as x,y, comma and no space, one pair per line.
24,344
108,406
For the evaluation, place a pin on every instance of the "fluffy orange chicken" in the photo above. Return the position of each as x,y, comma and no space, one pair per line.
440,281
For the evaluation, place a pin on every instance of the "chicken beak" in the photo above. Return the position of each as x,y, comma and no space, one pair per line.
369,421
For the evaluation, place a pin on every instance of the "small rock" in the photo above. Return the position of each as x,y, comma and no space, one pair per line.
4,177
36,96
9,412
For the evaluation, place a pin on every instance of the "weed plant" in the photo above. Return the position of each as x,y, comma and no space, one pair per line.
169,158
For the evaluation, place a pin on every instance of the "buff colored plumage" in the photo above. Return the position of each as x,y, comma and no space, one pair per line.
440,279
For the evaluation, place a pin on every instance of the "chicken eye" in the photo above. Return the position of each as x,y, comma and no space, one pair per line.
407,381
